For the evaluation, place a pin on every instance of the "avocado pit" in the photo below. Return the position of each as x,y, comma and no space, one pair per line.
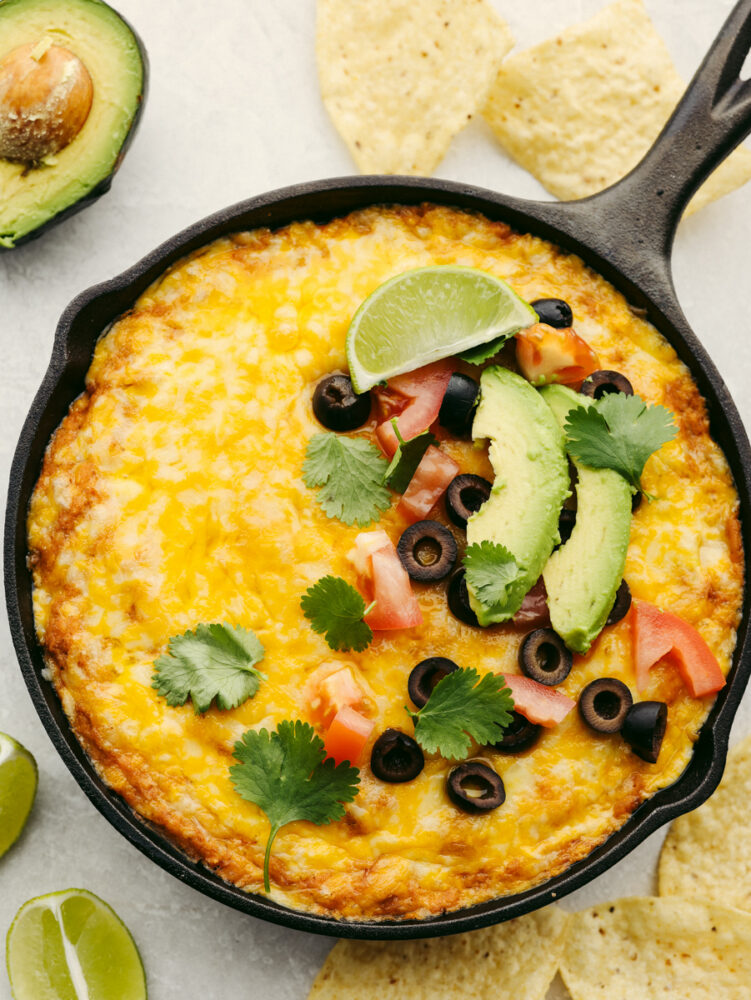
46,94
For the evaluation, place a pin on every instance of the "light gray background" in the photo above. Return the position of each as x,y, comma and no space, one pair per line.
234,110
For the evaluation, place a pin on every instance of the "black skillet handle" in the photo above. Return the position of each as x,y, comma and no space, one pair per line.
635,220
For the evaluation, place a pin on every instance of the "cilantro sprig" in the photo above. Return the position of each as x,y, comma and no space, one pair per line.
407,457
349,474
461,706
483,352
492,571
287,775
214,662
336,610
618,432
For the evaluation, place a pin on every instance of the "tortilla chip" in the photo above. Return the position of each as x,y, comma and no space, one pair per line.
731,174
513,961
579,111
644,949
707,853
401,77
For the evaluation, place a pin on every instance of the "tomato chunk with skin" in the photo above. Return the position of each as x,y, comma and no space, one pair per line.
330,688
366,543
545,354
658,634
429,483
414,399
395,604
347,736
536,702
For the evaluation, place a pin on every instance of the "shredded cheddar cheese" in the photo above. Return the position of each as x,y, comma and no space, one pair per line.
172,495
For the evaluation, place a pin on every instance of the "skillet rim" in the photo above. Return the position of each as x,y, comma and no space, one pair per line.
81,324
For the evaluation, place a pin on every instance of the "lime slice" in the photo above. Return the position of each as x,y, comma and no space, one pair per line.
426,314
18,785
72,946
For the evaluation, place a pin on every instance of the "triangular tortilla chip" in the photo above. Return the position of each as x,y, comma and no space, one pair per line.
580,110
707,853
401,77
513,961
647,949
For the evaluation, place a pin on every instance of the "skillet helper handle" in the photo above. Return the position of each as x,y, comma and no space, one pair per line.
713,116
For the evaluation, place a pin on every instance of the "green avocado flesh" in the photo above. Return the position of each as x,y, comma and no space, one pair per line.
32,197
582,576
527,451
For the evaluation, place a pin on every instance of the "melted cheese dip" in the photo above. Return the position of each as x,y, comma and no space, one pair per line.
172,495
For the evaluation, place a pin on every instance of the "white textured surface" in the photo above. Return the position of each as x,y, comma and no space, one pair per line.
234,111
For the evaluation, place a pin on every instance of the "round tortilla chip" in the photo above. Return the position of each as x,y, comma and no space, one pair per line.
401,77
707,853
513,961
645,949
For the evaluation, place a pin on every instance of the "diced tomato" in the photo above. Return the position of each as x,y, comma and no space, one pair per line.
347,736
534,611
414,399
330,688
385,581
395,604
429,483
536,702
545,354
366,543
658,634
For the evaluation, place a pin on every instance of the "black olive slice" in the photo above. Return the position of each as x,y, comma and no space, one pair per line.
543,657
427,551
337,405
644,728
603,704
465,495
475,787
458,599
566,523
396,757
599,384
426,675
621,604
553,312
458,406
519,735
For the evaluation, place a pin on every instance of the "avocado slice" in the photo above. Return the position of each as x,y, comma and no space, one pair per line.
528,454
582,576
40,182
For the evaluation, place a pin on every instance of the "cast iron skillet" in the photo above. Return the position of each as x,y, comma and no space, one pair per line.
626,234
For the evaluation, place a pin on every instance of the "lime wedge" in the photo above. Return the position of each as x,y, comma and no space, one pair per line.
72,946
429,313
18,785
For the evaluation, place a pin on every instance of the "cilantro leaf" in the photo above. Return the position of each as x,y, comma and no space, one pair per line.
335,610
406,458
350,474
476,355
618,432
215,661
491,573
285,774
458,708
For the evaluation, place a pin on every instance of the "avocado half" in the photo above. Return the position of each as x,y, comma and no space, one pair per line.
36,195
